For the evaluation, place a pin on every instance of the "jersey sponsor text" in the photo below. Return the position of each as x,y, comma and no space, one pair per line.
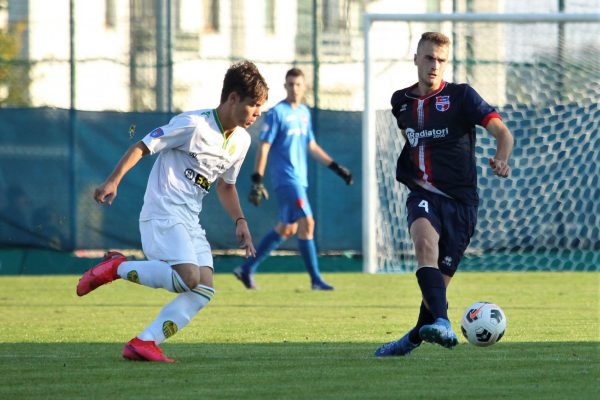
414,136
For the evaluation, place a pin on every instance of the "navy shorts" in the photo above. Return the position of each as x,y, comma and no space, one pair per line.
454,222
293,203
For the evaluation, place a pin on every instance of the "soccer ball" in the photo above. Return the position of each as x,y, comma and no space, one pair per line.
483,324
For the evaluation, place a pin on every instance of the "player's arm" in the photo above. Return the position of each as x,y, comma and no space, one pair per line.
504,146
258,190
108,190
228,196
322,157
262,154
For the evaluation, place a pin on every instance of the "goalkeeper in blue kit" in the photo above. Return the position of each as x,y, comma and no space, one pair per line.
286,140
437,164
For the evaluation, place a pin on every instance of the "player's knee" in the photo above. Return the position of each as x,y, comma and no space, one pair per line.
191,281
289,230
425,245
306,227
310,226
190,274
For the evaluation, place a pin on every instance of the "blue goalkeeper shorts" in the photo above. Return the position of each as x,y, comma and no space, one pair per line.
454,221
293,203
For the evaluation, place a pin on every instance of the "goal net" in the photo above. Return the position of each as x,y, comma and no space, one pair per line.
542,73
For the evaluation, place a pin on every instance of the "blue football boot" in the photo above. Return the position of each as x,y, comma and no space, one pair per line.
246,278
439,332
320,285
400,347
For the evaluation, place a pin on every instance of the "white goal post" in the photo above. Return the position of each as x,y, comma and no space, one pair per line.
559,115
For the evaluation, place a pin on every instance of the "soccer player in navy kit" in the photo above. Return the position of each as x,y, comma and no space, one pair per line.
286,139
437,164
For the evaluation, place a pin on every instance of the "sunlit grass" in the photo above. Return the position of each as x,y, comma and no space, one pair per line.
285,341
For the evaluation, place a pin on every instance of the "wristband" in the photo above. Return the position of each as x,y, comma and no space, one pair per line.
238,220
256,178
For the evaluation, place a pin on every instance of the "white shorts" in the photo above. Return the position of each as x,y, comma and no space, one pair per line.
175,243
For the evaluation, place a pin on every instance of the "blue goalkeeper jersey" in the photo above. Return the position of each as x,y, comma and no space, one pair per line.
439,153
289,131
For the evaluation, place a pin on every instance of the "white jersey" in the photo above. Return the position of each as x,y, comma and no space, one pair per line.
194,153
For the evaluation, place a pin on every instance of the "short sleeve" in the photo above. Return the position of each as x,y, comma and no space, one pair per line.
269,127
395,102
477,110
176,134
309,129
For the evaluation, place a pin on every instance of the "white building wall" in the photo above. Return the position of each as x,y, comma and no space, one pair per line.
279,48
241,34
102,82
48,26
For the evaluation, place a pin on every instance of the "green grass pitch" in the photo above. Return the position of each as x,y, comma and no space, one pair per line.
287,342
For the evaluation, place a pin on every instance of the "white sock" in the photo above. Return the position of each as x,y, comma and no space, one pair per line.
155,274
177,314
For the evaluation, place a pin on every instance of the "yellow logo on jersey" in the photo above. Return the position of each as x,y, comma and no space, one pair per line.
232,149
169,328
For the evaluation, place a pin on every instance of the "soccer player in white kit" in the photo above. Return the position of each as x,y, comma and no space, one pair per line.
198,151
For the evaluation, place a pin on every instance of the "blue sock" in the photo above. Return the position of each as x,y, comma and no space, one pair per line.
433,289
308,250
270,242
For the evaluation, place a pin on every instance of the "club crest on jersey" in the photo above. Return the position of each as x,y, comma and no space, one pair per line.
231,149
442,103
158,132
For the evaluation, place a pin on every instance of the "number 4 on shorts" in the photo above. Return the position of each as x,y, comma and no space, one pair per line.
424,204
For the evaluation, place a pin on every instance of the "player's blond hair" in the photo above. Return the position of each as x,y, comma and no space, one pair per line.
437,38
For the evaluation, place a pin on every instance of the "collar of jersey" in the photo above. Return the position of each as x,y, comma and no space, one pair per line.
410,95
226,139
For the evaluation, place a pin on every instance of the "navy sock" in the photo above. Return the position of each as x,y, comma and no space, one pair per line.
425,318
270,242
433,289
308,250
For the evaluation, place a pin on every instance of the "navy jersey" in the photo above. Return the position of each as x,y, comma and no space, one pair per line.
439,153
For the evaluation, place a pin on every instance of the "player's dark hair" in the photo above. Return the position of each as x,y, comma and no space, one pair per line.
434,37
244,79
294,72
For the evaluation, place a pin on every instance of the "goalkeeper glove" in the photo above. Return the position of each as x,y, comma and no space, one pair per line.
342,171
258,190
